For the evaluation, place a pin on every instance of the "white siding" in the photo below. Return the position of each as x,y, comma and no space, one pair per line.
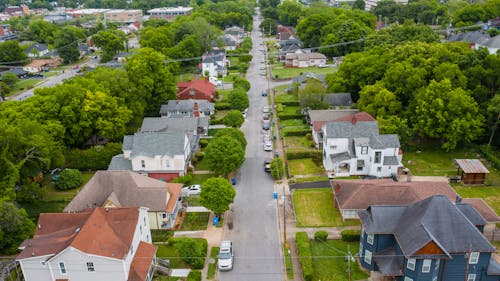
33,270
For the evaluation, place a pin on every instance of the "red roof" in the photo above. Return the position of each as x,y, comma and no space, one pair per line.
200,85
57,231
175,190
142,262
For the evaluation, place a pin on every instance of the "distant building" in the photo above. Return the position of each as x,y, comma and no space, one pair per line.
370,4
36,66
17,11
198,89
37,50
6,33
170,13
304,60
123,16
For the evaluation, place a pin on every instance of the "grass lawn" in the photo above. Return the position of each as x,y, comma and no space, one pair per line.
192,200
290,110
220,113
284,97
314,207
292,123
435,161
223,95
24,84
231,76
310,179
202,165
212,267
280,71
200,179
304,166
490,195
329,262
168,252
158,235
195,221
298,142
288,264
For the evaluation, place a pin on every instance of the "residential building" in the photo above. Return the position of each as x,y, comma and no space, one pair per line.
290,46
170,13
117,189
478,39
197,89
285,32
17,11
159,155
339,100
318,118
96,244
352,145
198,126
231,43
39,65
304,59
370,4
432,239
214,63
123,16
187,108
352,196
235,31
37,50
19,72
6,33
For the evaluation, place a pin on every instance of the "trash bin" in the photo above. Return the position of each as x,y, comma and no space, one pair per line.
215,221
275,195
233,181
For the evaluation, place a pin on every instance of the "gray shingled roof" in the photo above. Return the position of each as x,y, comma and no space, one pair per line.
309,75
339,99
384,141
434,219
471,214
349,130
186,106
164,124
330,114
119,163
158,143
128,141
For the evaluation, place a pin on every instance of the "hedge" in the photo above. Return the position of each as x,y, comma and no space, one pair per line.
290,116
296,132
320,235
299,154
222,106
305,255
290,103
488,154
94,158
350,235
203,143
191,250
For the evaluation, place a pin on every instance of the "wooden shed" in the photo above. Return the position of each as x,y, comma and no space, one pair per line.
471,171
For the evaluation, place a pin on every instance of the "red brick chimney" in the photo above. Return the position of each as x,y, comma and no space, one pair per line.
196,110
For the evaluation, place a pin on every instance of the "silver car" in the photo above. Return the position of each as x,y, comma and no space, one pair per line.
226,255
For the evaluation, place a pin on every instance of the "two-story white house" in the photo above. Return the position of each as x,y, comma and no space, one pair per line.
357,148
214,63
159,155
100,244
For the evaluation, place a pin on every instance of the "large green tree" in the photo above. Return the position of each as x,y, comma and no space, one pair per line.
235,133
160,38
313,95
15,227
289,12
66,43
238,99
224,155
111,42
217,194
12,53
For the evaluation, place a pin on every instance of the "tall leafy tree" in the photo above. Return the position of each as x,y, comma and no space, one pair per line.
15,227
313,95
289,12
11,52
224,155
378,101
66,43
111,42
217,194
160,39
235,133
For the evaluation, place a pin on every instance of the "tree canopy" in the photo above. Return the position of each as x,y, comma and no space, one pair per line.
224,155
217,194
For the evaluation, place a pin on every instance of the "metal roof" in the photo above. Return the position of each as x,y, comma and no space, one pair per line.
472,166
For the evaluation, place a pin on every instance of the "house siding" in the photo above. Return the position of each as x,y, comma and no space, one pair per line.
33,270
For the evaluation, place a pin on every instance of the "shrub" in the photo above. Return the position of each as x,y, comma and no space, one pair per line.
203,143
296,132
350,235
299,154
277,168
321,235
279,107
161,235
291,116
199,155
94,158
241,83
222,105
194,275
31,192
184,179
490,155
69,179
305,255
192,251
233,118
238,99
291,103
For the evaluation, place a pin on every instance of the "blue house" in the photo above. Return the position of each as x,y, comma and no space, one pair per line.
430,240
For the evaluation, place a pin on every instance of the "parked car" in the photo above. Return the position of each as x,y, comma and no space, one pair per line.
263,73
194,189
265,109
266,116
262,67
267,166
216,82
268,146
266,125
226,255
322,65
264,93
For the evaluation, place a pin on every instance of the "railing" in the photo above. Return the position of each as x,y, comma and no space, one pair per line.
8,274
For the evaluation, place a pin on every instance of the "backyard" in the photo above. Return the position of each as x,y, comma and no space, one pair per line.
279,71
195,221
314,207
304,166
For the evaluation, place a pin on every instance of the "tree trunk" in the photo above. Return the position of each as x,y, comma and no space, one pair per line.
494,129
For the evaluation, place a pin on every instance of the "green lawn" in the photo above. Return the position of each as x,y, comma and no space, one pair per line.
288,264
231,76
298,142
24,84
220,113
490,195
310,179
314,207
280,71
202,165
223,95
304,166
166,251
195,221
434,161
284,97
290,110
212,266
329,263
292,123
159,235
200,179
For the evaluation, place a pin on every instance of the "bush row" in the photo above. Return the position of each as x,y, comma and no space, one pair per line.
296,132
299,154
290,103
94,158
490,155
305,255
350,235
290,116
222,105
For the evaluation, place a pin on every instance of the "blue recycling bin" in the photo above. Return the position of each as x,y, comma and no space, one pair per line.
275,195
233,181
215,221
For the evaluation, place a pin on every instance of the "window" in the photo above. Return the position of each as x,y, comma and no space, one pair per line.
426,267
369,239
474,258
378,157
333,147
408,278
471,277
164,215
411,264
62,267
140,229
379,169
90,266
368,257
143,164
167,163
364,150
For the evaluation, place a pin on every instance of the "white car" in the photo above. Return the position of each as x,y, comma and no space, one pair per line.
322,65
226,255
194,189
268,146
265,109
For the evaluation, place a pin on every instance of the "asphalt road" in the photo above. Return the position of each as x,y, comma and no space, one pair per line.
253,214
52,81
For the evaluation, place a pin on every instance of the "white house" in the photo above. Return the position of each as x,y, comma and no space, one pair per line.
214,63
37,50
357,148
304,59
160,155
99,244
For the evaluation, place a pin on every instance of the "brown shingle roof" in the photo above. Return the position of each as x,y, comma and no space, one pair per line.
141,262
482,208
360,194
472,166
55,232
175,191
123,188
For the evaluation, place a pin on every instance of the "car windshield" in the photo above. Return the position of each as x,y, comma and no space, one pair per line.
224,255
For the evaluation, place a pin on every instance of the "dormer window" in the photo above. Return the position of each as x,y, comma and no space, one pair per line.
143,164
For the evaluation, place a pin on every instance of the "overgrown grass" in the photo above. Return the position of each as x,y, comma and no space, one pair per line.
290,110
329,261
298,142
166,251
288,264
212,267
193,201
292,123
433,161
280,71
304,166
202,165
223,95
491,195
195,221
200,178
220,113
285,97
315,207
158,235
